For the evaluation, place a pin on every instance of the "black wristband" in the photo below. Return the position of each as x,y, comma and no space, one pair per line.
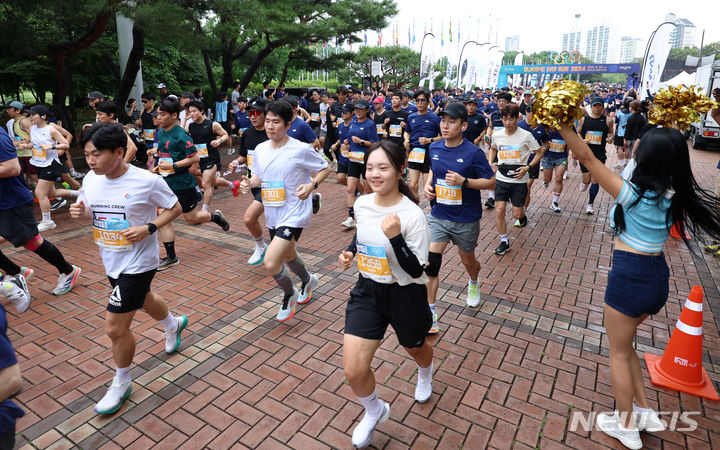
152,228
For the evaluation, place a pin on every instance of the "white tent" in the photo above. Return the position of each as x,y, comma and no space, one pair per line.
682,78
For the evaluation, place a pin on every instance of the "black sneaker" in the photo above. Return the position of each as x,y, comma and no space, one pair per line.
167,262
522,222
490,202
316,202
57,204
219,219
502,248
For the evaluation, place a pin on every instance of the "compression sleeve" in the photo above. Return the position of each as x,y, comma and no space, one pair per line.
406,258
352,248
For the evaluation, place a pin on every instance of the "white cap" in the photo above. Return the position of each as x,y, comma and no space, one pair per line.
161,85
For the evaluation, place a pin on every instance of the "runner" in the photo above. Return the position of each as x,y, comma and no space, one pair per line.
555,162
423,128
147,119
396,119
512,147
621,118
20,134
300,130
392,242
342,147
251,138
122,202
107,112
18,226
477,125
406,106
176,153
495,124
458,171
595,128
208,136
541,137
362,134
379,117
282,166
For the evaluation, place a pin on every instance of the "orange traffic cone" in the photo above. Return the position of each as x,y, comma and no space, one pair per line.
675,232
680,367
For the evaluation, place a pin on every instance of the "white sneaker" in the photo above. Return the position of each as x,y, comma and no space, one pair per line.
114,398
67,282
287,307
423,389
555,207
589,210
172,338
46,225
16,290
566,175
473,296
611,426
583,187
349,223
258,255
435,327
363,432
648,420
544,185
307,290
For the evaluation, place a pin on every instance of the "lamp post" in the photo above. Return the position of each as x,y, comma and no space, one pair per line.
457,83
422,44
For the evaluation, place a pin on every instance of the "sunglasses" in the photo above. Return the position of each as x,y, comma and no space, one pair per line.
420,100
145,101
255,112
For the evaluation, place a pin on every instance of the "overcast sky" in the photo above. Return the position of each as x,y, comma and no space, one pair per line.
541,24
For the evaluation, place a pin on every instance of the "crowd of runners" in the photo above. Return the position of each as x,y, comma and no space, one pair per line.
387,149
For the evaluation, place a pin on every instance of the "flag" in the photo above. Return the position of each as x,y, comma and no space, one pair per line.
450,31
397,35
656,54
442,33
380,39
413,37
409,38
365,39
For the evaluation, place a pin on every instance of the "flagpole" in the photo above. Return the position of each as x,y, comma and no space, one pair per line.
457,83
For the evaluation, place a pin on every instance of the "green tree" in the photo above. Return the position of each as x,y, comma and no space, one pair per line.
400,65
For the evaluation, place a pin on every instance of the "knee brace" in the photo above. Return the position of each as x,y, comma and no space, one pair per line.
34,243
434,263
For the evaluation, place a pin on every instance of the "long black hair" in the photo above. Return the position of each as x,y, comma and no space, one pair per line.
397,158
663,162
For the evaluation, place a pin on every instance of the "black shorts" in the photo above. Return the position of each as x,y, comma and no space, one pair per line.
18,224
286,233
513,192
212,160
424,166
599,153
372,306
188,199
129,291
619,141
51,172
342,168
534,172
355,169
257,194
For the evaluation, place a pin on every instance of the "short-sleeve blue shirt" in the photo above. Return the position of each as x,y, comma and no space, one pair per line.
365,130
13,190
9,411
422,125
300,130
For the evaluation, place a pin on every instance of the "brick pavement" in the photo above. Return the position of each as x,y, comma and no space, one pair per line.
508,373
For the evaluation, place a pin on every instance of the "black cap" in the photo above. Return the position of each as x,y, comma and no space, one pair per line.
348,107
470,100
40,109
455,110
257,103
596,100
292,100
362,104
95,94
189,95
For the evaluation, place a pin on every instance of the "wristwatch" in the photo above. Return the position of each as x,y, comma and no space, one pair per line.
465,182
315,184
174,166
151,227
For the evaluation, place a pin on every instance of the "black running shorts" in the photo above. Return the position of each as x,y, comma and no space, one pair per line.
129,291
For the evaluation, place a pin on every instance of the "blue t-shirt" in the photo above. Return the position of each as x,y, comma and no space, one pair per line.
343,134
646,222
538,133
467,160
9,411
300,130
365,130
13,190
558,147
621,118
425,125
242,122
221,111
302,102
410,108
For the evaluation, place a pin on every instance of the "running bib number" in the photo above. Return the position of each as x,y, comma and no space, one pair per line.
250,157
372,261
107,235
395,130
149,135
495,130
273,193
202,150
241,131
509,154
315,116
165,172
380,129
594,137
39,153
447,194
417,155
358,157
344,151
557,146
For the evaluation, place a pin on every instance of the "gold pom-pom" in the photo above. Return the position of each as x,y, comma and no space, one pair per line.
678,107
558,102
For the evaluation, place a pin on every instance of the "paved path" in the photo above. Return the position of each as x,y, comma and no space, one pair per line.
509,374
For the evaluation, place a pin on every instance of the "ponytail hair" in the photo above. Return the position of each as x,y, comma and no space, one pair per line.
398,159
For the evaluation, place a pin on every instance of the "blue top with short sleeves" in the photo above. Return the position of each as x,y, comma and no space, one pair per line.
646,222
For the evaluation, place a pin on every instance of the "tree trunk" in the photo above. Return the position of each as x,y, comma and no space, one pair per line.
228,48
255,65
210,76
131,69
283,76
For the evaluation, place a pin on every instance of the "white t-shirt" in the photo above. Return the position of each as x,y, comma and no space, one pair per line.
513,150
11,131
128,201
282,170
323,116
375,256
41,136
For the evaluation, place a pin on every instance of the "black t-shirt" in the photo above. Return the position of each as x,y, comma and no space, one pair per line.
476,125
523,107
395,118
251,138
146,118
335,110
598,125
379,119
314,108
496,120
201,133
634,126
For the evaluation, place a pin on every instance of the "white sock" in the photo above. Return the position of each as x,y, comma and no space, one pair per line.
504,238
642,410
473,282
123,374
46,216
169,323
491,194
205,207
425,373
622,161
260,242
372,404
432,308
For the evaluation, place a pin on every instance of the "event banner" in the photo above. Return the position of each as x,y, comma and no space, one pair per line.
656,55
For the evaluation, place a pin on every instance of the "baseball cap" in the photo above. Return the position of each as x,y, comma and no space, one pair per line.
40,109
455,110
595,100
14,104
528,92
161,85
348,107
292,100
362,104
469,100
378,100
95,94
189,95
257,103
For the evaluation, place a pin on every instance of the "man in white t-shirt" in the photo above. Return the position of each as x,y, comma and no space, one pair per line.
512,147
282,167
122,202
